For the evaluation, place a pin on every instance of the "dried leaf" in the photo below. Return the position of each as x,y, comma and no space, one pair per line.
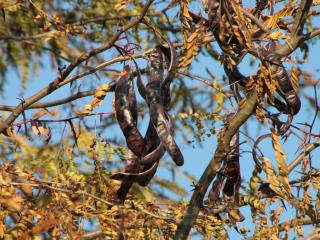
121,5
277,35
295,74
14,203
44,225
99,95
272,177
272,21
282,165
193,45
27,189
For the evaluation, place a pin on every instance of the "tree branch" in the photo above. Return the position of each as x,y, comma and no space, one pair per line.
78,192
51,103
208,175
296,222
301,17
309,148
59,81
256,21
312,34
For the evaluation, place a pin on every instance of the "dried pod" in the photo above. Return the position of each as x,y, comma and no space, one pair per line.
132,166
124,114
135,177
161,121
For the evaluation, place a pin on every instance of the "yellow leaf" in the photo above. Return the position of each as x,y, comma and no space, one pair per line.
14,203
281,160
121,5
2,229
42,112
34,128
185,10
44,131
272,21
295,74
272,177
316,2
10,132
27,189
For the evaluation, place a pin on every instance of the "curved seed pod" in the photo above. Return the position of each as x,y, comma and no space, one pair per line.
132,166
154,151
155,101
153,156
140,85
124,116
161,122
153,145
172,70
132,101
291,97
255,147
134,177
232,171
154,148
155,67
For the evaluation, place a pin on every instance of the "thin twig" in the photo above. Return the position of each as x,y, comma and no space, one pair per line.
60,80
227,133
61,120
78,192
297,222
51,103
256,21
301,17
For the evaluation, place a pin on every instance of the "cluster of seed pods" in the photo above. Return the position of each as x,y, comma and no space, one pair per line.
229,178
268,57
219,11
144,153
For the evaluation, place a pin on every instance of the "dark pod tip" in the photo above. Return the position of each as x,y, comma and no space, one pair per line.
179,160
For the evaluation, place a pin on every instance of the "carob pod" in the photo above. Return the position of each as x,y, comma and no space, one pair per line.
125,117
132,102
135,177
255,147
172,71
148,164
143,161
155,101
232,171
229,177
126,113
132,166
161,122
154,149
291,97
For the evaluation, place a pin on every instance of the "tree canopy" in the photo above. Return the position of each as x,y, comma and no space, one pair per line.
102,100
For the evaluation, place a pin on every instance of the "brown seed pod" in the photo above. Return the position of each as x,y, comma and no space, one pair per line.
126,113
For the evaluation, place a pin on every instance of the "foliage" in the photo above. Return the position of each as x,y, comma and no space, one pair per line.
66,170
